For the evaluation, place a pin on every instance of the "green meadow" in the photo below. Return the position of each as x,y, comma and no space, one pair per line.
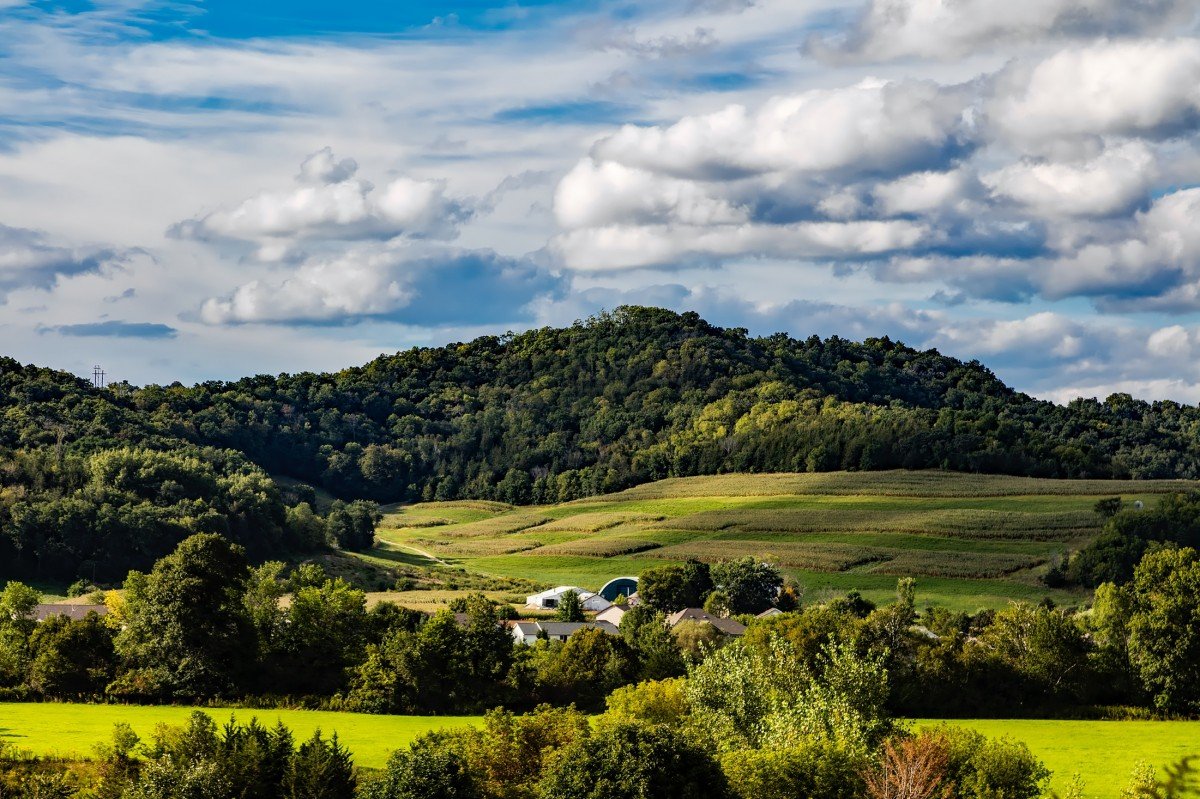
1104,753
72,731
973,541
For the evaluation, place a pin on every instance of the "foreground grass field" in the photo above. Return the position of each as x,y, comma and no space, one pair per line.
1103,752
973,541
74,730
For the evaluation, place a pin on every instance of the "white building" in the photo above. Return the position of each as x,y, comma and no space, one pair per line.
613,614
550,600
527,632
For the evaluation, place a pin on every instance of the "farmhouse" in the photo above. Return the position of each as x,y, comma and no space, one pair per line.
613,614
549,600
527,632
726,626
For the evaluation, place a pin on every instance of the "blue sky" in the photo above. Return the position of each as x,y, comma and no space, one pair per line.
197,190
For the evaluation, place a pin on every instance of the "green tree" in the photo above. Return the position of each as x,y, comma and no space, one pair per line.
320,769
570,608
428,769
630,761
672,588
71,658
188,634
17,603
1164,628
750,585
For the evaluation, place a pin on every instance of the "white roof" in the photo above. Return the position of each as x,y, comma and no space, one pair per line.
562,589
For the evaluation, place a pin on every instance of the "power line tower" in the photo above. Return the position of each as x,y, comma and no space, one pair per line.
98,375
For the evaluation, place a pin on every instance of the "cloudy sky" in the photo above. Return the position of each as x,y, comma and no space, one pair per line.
193,190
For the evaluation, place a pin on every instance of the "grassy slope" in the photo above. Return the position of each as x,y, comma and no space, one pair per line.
73,730
1103,752
971,540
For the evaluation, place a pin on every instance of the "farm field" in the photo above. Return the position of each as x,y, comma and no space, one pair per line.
1103,752
973,541
74,729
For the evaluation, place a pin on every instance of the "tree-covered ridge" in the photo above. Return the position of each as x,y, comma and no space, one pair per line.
558,413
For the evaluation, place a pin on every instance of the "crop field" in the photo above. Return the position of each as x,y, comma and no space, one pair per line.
1104,753
71,730
972,541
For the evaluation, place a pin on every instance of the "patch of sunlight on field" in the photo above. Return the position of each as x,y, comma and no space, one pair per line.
1103,752
73,730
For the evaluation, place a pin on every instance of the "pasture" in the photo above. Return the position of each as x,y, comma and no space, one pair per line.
1104,753
973,541
73,731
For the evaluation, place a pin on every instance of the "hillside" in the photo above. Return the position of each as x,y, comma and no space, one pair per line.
972,541
547,416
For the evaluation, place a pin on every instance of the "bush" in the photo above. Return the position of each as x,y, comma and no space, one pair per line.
815,771
634,762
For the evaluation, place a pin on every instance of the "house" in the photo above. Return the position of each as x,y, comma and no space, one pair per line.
72,612
769,612
550,600
527,632
613,614
725,626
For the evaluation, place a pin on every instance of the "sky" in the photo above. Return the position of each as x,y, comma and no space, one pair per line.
200,190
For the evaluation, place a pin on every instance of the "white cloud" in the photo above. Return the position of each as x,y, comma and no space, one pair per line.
873,125
354,284
331,202
924,192
889,29
1115,181
1145,88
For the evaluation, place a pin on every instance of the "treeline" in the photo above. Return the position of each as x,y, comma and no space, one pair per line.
555,414
93,517
203,625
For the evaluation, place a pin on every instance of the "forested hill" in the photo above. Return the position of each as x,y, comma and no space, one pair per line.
621,398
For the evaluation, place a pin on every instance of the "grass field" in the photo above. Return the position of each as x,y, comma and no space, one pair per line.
73,730
1103,752
973,541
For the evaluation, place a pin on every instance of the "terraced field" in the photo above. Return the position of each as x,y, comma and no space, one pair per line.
971,540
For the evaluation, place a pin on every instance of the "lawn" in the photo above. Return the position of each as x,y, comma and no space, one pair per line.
972,541
1103,752
73,730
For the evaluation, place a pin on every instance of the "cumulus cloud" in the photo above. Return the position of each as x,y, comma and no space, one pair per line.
331,202
885,126
890,29
405,284
1148,88
1115,181
1049,178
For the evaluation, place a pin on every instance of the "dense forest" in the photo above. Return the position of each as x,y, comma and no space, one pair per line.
93,481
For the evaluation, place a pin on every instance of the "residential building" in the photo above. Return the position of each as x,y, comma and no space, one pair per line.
726,626
528,632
